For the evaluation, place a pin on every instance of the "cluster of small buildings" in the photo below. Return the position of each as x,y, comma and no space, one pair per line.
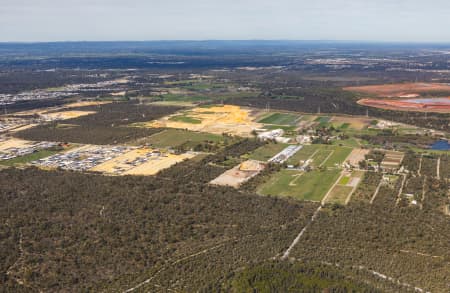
274,135
66,91
15,152
7,99
83,158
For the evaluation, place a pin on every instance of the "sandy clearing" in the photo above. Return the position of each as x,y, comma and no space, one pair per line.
356,156
64,115
218,120
157,164
14,143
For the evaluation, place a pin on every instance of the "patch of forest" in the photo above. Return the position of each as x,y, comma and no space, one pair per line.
401,242
109,125
78,232
297,276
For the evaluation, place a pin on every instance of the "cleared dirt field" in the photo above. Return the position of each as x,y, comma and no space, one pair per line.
356,156
400,90
142,161
154,165
85,104
64,115
239,174
14,143
438,105
217,119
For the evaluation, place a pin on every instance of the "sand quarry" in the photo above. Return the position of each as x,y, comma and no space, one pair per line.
400,90
217,119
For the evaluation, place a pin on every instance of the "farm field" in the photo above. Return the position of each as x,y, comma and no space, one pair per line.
305,153
281,119
311,186
176,137
343,189
267,151
351,122
322,155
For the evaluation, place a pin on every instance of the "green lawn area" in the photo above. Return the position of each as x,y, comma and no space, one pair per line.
321,156
177,137
344,180
29,158
329,155
267,151
303,154
338,157
280,119
350,142
284,127
308,186
322,119
185,119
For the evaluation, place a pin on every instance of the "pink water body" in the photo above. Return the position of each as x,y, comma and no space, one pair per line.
434,101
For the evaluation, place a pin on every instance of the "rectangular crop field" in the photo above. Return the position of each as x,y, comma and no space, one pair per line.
281,119
300,185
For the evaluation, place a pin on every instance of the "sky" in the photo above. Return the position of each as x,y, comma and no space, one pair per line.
114,20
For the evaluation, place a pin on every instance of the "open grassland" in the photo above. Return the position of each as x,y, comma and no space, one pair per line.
28,158
177,137
344,122
267,151
280,119
300,185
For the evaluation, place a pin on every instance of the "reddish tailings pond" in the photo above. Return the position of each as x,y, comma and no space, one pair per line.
440,105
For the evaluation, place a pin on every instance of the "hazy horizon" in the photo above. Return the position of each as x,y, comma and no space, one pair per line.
404,21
